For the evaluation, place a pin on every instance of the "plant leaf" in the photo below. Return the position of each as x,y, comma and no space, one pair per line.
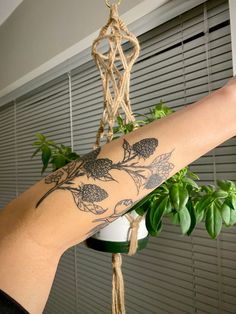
199,213
226,185
193,218
193,175
37,143
155,215
213,221
185,220
220,194
36,152
40,136
143,207
230,201
175,218
232,217
116,129
191,182
58,161
168,208
120,121
149,221
233,200
46,155
179,196
160,207
225,212
203,203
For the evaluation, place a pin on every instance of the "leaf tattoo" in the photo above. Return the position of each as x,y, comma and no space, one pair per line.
120,208
86,196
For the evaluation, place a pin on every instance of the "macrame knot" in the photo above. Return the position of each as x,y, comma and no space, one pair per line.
115,66
134,224
133,233
114,12
116,260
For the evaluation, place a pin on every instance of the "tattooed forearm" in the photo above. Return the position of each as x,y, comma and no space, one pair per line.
86,196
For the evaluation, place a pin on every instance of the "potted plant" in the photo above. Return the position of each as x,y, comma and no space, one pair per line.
179,198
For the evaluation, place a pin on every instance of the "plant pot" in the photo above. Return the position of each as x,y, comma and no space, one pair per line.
114,238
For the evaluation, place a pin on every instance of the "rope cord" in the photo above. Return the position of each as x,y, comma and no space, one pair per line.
118,304
133,233
109,5
115,66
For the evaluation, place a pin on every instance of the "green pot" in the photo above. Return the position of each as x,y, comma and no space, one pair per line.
114,247
114,238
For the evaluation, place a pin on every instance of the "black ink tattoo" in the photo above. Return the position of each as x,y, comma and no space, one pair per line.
121,208
87,195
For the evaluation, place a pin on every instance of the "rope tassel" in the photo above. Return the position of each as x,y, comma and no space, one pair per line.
118,297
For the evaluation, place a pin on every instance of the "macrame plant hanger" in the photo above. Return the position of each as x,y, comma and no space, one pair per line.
115,67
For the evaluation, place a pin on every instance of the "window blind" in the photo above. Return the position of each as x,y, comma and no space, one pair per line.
180,62
45,111
8,189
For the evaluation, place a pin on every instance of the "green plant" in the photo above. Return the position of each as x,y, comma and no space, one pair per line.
57,155
179,199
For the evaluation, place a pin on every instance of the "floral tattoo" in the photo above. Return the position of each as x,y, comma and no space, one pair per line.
120,208
88,196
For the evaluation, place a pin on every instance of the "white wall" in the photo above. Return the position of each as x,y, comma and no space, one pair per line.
39,30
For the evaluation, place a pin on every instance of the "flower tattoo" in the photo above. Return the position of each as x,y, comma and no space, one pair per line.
86,196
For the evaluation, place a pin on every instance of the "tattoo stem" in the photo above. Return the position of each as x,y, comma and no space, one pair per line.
49,192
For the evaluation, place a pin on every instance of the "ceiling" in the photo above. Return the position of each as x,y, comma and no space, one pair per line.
6,8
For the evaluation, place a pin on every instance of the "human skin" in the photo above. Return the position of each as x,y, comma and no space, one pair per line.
64,209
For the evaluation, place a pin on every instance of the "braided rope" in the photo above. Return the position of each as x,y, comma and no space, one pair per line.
114,66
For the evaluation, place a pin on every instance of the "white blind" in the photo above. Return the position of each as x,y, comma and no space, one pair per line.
180,62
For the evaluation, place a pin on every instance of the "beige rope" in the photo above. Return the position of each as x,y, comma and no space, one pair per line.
109,5
118,304
115,66
133,234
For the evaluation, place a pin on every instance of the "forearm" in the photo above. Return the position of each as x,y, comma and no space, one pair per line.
27,271
63,209
59,202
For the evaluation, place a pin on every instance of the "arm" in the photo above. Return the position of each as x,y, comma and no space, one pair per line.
64,208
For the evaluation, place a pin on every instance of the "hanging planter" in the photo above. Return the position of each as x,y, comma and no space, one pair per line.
124,235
